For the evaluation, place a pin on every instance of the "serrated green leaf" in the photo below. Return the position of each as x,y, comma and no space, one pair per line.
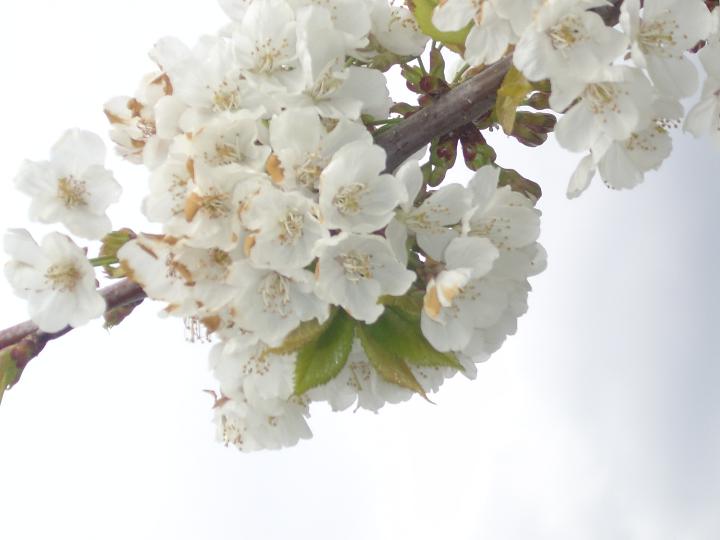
398,331
390,367
423,11
323,358
510,96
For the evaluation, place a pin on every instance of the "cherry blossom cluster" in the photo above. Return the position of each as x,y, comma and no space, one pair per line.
619,88
319,274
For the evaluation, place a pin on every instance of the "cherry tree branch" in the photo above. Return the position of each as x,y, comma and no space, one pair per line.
472,99
118,295
468,101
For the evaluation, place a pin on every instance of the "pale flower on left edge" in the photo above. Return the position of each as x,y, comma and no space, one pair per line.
74,187
55,278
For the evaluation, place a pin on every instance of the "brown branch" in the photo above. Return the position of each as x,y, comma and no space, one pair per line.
472,99
32,340
468,101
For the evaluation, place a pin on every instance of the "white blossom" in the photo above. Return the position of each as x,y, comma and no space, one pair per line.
661,36
567,41
355,270
432,221
457,300
73,188
285,229
354,195
55,278
304,146
704,117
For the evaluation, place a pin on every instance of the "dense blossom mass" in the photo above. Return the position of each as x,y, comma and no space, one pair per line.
319,274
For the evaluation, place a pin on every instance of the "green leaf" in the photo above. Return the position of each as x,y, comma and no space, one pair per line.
390,367
9,372
423,11
323,358
409,305
303,335
398,332
510,96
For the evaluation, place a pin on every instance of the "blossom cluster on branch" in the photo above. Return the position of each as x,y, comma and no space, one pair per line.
320,274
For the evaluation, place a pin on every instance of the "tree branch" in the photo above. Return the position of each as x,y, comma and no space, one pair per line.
461,105
468,101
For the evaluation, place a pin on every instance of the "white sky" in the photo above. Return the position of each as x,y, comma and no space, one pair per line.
599,420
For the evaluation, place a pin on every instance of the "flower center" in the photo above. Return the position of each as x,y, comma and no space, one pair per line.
266,55
327,83
356,266
347,199
72,192
657,37
601,97
63,277
226,98
308,174
291,227
566,33
275,294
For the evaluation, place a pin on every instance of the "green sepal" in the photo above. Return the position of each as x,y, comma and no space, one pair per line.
9,372
476,151
111,244
511,94
517,182
322,359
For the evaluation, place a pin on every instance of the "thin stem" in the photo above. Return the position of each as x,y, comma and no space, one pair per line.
103,261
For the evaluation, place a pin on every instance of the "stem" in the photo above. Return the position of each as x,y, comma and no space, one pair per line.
103,261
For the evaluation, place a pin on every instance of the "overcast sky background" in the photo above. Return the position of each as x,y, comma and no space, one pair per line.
599,420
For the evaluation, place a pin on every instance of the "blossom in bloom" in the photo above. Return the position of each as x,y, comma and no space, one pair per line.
567,41
73,188
505,217
334,90
272,304
396,29
354,195
303,146
490,34
432,221
285,229
134,128
704,117
265,40
256,409
354,270
661,36
709,55
614,104
623,164
350,17
457,300
55,278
